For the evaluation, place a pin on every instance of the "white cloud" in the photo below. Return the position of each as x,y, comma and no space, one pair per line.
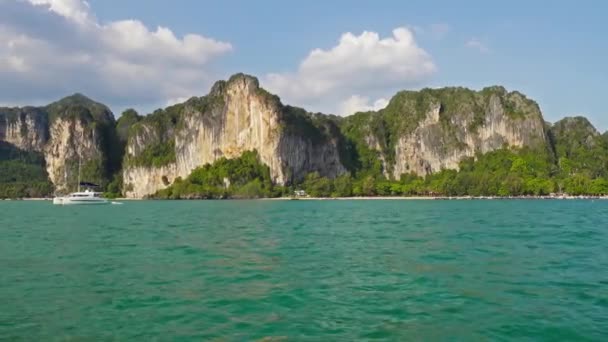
73,9
476,44
176,100
51,48
357,103
363,64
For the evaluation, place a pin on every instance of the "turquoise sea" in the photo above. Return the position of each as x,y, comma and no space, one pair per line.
305,271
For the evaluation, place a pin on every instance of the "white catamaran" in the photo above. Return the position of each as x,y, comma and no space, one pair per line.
81,197
84,197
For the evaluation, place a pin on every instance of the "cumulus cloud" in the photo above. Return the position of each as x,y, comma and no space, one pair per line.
74,9
358,103
476,44
51,48
362,64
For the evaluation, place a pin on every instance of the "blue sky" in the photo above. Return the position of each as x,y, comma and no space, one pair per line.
554,52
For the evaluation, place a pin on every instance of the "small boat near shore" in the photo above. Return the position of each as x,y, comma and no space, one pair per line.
85,197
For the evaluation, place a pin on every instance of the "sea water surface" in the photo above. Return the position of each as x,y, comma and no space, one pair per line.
305,271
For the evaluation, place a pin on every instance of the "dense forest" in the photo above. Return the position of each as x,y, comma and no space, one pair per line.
22,173
243,177
504,172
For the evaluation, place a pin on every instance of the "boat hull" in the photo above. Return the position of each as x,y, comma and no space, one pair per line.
79,201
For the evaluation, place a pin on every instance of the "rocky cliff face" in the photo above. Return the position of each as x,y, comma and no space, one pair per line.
419,132
25,128
72,129
579,147
424,132
235,117
73,141
575,132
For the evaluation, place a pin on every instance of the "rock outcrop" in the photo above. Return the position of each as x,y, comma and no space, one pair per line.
419,132
424,132
579,147
25,128
67,132
236,116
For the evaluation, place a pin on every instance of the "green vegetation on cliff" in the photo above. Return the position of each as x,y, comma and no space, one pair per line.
97,118
123,125
22,173
499,173
127,119
375,134
573,158
153,135
579,148
81,107
156,132
98,123
243,177
576,164
36,114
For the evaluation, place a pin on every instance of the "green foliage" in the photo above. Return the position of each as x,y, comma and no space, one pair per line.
243,177
407,109
357,130
80,106
579,148
156,130
99,119
22,173
317,186
95,117
577,162
157,154
343,186
298,122
253,189
36,114
502,172
114,188
127,119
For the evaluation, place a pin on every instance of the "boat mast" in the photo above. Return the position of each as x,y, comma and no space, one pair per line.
79,173
80,158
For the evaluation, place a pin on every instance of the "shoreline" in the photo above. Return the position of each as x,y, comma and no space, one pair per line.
436,198
361,198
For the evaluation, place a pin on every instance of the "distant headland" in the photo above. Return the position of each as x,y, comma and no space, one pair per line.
240,141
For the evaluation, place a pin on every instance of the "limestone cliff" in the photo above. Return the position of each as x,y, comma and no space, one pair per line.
236,116
424,132
25,128
72,129
579,146
73,141
419,132
575,132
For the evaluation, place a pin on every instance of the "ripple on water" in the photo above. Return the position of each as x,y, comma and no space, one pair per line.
305,270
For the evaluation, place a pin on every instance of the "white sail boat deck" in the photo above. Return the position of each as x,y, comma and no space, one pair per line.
84,197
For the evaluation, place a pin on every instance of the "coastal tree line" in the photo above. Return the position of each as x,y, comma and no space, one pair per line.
571,157
504,172
22,173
